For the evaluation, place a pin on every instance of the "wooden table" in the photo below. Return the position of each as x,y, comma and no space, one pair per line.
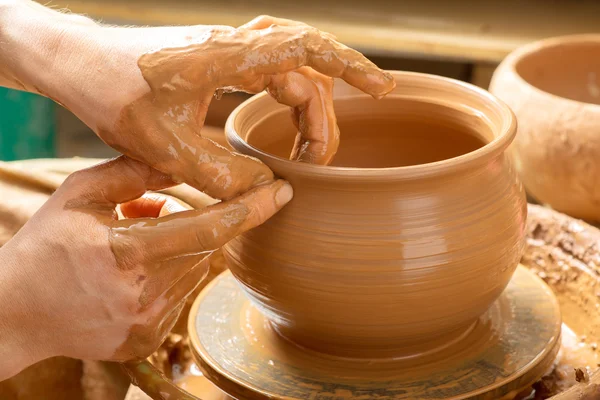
469,30
478,32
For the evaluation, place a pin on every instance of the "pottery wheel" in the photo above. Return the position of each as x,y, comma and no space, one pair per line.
514,343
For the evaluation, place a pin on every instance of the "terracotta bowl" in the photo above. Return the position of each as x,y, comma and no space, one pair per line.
399,246
553,86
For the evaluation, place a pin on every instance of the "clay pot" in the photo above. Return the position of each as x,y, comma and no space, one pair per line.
553,86
399,246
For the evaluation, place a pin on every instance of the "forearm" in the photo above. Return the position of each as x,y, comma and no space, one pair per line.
40,48
17,343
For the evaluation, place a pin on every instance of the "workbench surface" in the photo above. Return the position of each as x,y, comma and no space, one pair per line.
468,30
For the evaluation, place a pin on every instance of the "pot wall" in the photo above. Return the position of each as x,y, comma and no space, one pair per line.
391,261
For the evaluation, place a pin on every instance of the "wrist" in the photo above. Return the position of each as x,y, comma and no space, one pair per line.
41,47
18,344
66,57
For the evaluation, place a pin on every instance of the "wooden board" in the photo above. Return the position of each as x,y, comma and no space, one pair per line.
470,30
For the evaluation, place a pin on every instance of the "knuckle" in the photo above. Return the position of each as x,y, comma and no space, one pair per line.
312,33
311,38
74,179
128,254
112,141
171,167
264,19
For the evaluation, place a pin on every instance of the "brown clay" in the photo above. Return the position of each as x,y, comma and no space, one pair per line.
394,261
553,86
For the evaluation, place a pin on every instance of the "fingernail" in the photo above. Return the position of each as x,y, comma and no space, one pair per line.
284,194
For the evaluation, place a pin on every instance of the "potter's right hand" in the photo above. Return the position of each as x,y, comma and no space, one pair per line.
169,76
145,91
77,281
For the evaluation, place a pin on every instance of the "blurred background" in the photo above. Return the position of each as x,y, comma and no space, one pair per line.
462,39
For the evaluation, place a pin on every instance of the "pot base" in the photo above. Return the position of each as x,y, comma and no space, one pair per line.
514,343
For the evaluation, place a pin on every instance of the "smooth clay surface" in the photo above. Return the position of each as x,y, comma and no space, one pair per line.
386,262
553,86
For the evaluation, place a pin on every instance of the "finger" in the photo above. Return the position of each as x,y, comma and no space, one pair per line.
167,323
295,114
149,206
175,300
144,339
311,96
213,169
199,231
164,275
188,157
187,283
319,51
112,182
265,21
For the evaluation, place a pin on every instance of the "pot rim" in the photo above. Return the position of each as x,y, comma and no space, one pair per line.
511,61
504,134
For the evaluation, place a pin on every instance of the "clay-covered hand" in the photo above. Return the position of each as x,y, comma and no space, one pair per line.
172,74
78,281
145,91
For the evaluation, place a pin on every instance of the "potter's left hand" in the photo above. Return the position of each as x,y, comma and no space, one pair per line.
145,91
78,282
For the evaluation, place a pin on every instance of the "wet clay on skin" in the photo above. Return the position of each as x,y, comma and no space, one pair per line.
378,262
295,63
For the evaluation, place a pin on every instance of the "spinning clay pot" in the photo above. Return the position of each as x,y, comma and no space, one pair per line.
553,86
399,246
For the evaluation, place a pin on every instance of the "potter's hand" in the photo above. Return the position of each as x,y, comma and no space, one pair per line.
294,62
145,91
78,282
